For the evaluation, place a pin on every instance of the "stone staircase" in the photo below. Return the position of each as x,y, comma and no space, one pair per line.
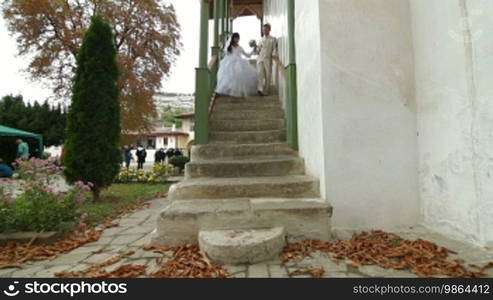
246,180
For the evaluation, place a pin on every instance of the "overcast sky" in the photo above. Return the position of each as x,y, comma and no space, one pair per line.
182,79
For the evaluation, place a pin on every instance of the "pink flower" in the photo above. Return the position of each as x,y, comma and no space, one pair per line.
48,189
8,200
81,226
80,199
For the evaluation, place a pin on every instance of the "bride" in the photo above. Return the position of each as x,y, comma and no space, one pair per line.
236,77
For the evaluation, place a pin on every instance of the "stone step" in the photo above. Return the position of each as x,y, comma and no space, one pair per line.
267,114
242,246
181,221
234,151
247,125
224,106
253,99
247,137
292,186
246,167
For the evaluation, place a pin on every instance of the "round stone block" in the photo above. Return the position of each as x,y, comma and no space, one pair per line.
247,246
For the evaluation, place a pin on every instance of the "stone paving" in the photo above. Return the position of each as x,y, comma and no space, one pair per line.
135,230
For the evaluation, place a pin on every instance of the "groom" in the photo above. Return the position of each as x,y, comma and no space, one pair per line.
267,51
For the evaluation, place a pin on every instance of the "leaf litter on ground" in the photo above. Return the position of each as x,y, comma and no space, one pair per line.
15,254
388,251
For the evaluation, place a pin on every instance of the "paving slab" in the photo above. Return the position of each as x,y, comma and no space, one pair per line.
27,272
49,272
125,239
258,271
129,236
69,258
278,271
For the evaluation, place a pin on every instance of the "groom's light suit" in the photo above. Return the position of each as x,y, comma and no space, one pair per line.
266,49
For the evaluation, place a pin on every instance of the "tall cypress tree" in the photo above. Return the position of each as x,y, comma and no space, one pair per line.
92,153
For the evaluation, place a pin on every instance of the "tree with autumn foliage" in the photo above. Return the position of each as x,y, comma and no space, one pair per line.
146,37
92,152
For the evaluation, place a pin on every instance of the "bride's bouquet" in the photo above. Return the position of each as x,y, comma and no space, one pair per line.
253,44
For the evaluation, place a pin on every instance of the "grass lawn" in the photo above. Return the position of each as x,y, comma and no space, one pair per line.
121,197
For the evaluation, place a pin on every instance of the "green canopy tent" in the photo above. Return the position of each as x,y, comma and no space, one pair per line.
12,132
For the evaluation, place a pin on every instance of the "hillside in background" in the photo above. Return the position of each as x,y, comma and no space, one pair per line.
182,102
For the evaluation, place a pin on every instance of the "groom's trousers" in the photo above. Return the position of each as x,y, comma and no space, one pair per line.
264,70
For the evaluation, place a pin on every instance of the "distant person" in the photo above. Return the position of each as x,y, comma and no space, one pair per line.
160,156
177,152
127,156
141,157
22,149
5,170
170,153
156,156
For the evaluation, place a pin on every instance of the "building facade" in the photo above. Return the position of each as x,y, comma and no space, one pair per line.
395,110
389,103
177,137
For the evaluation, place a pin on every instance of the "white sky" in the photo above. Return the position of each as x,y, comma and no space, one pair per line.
182,77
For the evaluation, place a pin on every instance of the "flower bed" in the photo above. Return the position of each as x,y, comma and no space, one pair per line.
40,209
158,174
39,170
40,201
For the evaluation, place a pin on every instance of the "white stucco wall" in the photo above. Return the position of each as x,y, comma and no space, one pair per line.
454,73
309,80
369,127
372,74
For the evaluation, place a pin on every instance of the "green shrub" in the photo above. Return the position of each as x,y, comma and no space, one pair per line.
92,152
40,209
179,161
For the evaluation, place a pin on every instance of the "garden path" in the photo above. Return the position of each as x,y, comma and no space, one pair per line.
135,230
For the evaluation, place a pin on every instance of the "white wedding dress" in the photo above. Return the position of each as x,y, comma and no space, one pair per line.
236,77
